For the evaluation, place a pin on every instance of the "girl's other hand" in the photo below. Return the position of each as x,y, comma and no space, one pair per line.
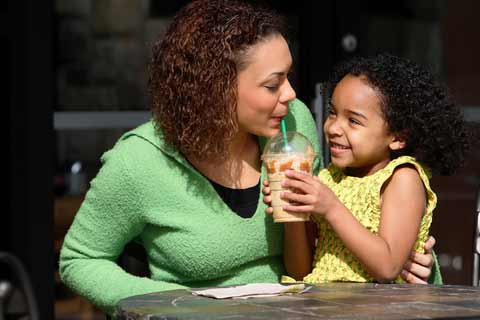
419,266
267,198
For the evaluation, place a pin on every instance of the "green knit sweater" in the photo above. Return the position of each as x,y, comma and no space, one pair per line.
146,190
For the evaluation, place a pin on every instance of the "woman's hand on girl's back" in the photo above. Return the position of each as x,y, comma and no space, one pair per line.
418,267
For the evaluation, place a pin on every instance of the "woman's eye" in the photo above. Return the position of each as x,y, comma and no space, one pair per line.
272,88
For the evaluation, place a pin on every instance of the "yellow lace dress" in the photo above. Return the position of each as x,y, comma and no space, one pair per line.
332,260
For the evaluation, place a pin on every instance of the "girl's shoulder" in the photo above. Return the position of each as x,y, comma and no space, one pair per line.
421,169
408,176
393,165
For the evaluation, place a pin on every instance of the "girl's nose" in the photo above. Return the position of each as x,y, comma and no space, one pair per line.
332,127
288,93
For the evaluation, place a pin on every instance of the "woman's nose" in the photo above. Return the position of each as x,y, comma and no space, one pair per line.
288,93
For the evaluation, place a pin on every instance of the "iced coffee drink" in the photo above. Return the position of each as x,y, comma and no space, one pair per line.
296,153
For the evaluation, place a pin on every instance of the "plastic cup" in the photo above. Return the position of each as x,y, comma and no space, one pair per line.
295,153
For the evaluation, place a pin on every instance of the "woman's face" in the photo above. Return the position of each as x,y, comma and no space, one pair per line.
263,87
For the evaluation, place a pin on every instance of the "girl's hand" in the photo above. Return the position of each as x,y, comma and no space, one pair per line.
267,198
419,266
310,194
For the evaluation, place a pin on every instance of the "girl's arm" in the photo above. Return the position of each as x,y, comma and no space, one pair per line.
403,204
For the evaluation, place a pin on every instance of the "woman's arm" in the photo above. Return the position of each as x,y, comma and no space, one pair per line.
109,218
403,204
298,243
297,249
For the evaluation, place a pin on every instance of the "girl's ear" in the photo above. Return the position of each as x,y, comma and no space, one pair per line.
398,143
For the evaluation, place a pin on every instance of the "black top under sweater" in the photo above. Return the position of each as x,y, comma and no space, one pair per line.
243,202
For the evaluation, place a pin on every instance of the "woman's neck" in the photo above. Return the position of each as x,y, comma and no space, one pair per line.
240,168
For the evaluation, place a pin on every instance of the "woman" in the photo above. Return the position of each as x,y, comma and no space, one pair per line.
186,185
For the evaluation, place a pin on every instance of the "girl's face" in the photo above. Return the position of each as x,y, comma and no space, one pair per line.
263,87
356,130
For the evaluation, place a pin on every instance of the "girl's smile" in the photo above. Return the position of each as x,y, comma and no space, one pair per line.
336,149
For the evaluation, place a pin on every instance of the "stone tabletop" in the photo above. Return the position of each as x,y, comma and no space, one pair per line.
328,301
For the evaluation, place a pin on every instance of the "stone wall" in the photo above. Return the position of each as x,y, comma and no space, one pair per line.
103,47
103,50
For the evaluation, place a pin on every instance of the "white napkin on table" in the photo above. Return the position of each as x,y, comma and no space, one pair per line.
252,290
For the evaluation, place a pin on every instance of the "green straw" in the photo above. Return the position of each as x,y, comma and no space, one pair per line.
284,133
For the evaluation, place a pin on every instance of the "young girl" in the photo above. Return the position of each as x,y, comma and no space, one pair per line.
390,125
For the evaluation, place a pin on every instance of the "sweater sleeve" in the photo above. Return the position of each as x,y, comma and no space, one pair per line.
109,218
436,275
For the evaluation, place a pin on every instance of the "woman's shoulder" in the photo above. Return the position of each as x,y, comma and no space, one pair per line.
143,136
297,110
141,140
300,119
138,148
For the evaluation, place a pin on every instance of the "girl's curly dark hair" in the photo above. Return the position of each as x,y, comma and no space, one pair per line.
193,72
416,107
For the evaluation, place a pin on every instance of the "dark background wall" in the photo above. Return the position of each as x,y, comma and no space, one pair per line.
26,226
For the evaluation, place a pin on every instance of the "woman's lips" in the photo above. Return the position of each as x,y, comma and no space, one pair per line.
276,120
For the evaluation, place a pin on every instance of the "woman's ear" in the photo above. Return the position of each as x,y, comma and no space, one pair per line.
398,143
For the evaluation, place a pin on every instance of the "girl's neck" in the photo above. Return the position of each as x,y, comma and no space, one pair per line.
366,170
240,168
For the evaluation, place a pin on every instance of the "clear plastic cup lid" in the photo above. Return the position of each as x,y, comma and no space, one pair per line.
296,143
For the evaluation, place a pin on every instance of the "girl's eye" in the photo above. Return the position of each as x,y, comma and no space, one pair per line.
354,121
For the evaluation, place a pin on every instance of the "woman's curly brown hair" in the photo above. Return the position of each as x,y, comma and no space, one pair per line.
193,72
416,106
